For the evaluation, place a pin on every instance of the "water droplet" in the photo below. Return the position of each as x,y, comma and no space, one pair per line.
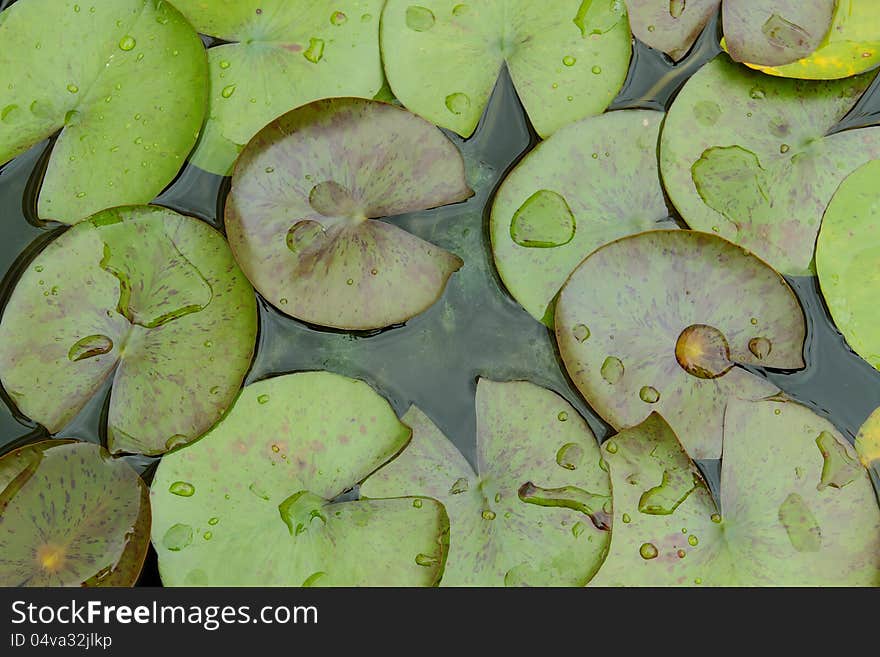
544,220
9,113
417,504
72,88
578,528
426,560
757,93
612,369
89,347
778,411
374,271
754,321
715,517
304,234
460,10
784,148
562,416
693,541
350,281
228,90
838,467
651,28
676,8
224,64
664,498
760,347
420,19
282,301
315,51
596,70
570,456
626,519
458,103
127,43
276,448
459,486
208,535
649,395
648,551
182,488
338,18
38,268
800,524
176,440
214,390
76,8
213,521
366,18
581,332
783,33
177,537
497,498
262,399
611,447
568,60
488,515
681,554
257,490
702,351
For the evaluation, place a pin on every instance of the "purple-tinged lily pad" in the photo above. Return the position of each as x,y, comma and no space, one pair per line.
70,515
796,508
280,55
749,157
568,60
300,215
868,441
147,296
670,25
535,513
125,82
658,321
249,504
590,183
848,260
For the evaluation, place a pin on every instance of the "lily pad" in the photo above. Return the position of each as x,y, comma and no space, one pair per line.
536,511
282,55
670,25
249,504
658,322
568,60
749,157
848,260
796,508
71,516
868,441
146,296
125,82
300,213
851,46
590,183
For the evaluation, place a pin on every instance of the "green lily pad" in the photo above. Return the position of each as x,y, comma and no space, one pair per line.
153,299
125,82
796,508
590,183
749,157
848,260
670,25
568,60
535,513
71,516
657,322
304,193
283,55
868,441
249,503
851,46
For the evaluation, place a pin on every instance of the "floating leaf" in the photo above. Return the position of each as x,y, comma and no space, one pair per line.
851,46
589,184
144,295
670,25
868,441
292,53
775,32
265,475
750,157
669,315
796,508
848,260
124,82
536,511
567,60
71,516
304,193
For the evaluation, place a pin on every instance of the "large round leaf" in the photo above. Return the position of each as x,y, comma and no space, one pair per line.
868,441
589,184
71,516
851,45
749,157
670,25
657,321
796,507
125,82
299,216
536,511
283,54
148,296
248,504
567,59
848,260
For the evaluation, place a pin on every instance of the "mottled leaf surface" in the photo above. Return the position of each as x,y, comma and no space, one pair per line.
796,507
153,299
604,170
125,83
848,260
567,59
281,55
300,215
868,441
71,516
656,321
670,25
248,504
749,156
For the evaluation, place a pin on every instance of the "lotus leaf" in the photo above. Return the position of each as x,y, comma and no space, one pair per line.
249,504
670,25
868,441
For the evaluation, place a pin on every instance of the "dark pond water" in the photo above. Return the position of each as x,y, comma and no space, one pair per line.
475,329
